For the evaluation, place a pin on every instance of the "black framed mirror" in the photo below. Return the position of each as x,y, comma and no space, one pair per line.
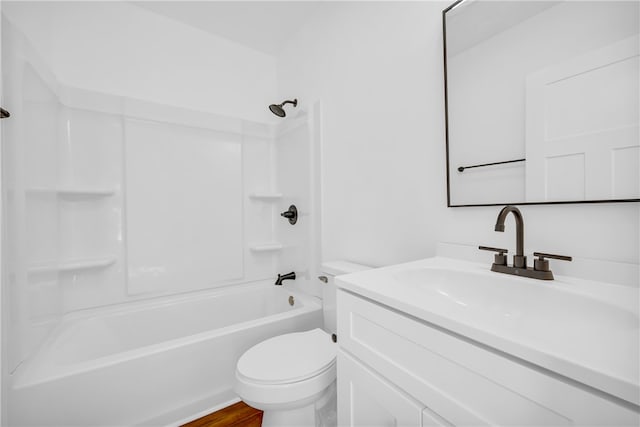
542,102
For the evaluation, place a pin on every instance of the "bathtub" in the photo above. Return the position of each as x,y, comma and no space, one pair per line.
161,362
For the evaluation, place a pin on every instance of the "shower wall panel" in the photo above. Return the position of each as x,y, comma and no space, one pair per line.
292,157
296,156
31,289
90,151
184,205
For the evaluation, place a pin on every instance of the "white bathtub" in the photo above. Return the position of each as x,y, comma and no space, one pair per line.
152,363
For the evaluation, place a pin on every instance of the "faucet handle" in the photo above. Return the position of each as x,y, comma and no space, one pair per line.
542,255
500,258
291,214
489,248
541,264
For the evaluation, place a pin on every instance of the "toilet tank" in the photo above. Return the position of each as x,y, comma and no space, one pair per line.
330,270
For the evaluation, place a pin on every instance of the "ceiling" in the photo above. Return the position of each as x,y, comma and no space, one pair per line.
260,25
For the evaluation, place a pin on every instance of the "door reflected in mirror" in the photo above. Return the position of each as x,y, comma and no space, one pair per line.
542,101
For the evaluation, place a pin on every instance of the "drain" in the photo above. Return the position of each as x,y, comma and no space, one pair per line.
291,300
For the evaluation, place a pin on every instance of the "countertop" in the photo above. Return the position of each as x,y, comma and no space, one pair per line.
600,348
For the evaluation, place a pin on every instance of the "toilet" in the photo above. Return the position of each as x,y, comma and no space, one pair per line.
292,377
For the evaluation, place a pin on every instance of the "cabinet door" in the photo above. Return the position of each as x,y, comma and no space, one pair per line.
367,400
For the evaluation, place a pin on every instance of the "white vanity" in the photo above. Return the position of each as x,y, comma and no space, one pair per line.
443,342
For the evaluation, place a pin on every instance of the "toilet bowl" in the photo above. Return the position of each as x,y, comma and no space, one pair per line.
292,377
286,375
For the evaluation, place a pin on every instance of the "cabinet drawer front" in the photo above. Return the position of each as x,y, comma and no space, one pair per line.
367,400
463,382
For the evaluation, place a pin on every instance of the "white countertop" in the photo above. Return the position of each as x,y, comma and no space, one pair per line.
584,330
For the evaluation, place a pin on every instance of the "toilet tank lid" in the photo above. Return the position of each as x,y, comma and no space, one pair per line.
335,268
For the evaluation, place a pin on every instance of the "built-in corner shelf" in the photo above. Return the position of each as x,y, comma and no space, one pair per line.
85,192
265,247
72,265
74,192
265,196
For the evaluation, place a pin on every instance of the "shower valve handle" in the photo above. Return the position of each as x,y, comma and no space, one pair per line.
291,214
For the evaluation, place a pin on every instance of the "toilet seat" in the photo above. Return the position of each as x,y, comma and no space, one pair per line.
287,371
288,358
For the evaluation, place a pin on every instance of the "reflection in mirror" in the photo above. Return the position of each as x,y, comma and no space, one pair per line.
542,101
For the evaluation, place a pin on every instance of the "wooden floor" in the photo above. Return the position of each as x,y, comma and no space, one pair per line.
236,415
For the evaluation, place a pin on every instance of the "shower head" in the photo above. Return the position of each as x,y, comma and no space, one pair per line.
278,110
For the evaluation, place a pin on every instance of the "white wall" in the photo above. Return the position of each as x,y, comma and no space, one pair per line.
378,69
383,123
122,49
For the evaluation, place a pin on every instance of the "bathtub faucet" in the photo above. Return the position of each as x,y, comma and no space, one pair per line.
282,278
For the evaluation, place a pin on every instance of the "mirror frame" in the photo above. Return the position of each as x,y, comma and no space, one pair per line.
446,129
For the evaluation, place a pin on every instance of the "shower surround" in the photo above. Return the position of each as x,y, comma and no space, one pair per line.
133,227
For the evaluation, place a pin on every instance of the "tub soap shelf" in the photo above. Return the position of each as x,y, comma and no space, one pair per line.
265,247
265,196
72,265
74,192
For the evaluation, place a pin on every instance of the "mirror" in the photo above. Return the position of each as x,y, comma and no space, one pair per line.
542,101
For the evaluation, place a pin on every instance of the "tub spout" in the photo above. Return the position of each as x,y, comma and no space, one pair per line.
283,277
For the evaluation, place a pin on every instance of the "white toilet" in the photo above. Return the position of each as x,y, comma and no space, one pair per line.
292,377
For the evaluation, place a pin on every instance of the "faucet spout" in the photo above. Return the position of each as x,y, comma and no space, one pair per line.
519,260
283,277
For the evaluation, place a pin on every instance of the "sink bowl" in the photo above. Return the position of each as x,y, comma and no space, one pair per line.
506,302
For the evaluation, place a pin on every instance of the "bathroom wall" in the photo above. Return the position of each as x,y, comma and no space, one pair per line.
376,66
122,49
378,69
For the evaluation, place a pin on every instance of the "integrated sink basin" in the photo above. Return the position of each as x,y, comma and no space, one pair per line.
583,330
505,302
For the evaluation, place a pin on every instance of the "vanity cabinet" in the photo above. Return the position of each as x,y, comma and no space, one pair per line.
394,369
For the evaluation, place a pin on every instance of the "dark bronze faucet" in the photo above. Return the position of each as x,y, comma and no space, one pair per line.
540,268
283,277
519,260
